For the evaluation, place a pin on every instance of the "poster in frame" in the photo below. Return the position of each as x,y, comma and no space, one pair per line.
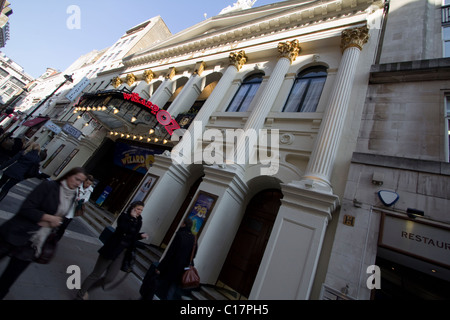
201,209
144,188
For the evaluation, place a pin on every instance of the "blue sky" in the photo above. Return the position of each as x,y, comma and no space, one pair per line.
40,37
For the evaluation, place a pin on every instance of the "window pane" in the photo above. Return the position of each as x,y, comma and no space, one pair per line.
313,95
295,96
306,91
238,98
446,49
245,94
250,95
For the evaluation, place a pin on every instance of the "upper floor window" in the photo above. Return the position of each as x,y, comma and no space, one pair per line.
306,91
247,91
447,127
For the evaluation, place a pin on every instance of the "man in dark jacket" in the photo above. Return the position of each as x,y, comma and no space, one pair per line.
177,258
20,167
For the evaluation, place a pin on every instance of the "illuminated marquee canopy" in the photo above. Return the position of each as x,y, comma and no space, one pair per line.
115,104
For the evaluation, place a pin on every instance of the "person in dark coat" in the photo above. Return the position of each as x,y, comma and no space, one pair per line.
19,166
112,253
21,237
177,257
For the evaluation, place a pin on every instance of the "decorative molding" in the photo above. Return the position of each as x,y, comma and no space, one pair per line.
199,68
300,15
148,75
289,49
238,59
356,37
130,79
286,138
171,73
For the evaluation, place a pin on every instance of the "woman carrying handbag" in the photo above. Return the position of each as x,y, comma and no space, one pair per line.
177,258
22,237
112,253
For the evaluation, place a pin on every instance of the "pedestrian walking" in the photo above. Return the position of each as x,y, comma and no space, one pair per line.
23,165
112,253
23,236
82,195
173,264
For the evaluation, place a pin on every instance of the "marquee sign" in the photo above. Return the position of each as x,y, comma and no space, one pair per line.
163,117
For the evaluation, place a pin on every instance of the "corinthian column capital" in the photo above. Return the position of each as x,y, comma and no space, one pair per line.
355,37
238,59
289,49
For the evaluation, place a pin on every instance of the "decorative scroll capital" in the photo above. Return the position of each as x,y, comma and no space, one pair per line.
171,73
289,49
116,82
148,75
131,78
238,59
199,68
355,37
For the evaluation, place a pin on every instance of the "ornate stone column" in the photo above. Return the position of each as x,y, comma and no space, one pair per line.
164,91
237,60
189,93
289,51
318,172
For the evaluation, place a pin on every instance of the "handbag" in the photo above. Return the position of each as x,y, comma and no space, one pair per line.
48,249
191,278
79,209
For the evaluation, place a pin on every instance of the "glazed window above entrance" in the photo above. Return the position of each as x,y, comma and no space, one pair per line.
306,91
247,91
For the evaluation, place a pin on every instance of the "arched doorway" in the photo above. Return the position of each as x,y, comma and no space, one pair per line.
245,255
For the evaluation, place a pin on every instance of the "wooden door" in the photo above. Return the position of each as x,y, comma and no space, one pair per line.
246,252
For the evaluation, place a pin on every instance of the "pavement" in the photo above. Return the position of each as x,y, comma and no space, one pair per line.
74,260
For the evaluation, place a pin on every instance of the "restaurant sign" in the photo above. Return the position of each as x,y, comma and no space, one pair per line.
426,241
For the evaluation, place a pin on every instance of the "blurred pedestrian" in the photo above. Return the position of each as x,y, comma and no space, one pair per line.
177,258
22,166
111,255
82,195
22,236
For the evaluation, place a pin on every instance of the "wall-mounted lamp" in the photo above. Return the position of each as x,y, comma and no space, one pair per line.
413,213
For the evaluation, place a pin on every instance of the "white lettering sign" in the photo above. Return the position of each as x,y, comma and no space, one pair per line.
76,90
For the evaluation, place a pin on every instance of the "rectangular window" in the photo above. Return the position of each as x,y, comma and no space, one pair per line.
446,41
447,128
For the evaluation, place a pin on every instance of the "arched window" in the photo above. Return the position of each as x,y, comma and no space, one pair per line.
306,91
246,93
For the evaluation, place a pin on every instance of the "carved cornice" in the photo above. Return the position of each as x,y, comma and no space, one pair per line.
289,49
294,17
238,59
356,37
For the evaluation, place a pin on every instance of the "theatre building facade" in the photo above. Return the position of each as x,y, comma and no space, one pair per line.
250,123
